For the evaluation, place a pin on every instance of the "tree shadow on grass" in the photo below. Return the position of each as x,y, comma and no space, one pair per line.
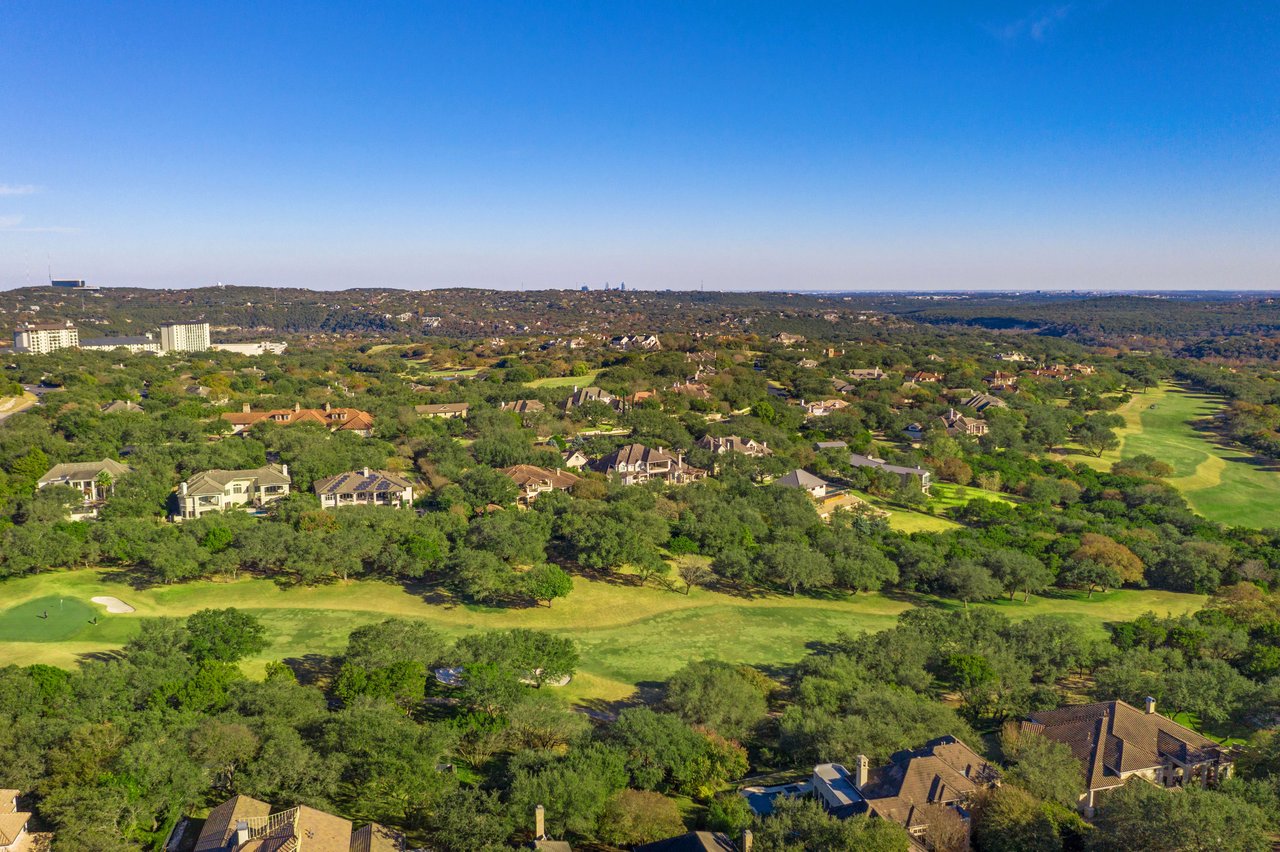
132,576
649,693
313,669
99,657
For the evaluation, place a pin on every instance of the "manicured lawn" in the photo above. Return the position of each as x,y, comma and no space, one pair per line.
906,520
948,495
1219,482
628,635
583,381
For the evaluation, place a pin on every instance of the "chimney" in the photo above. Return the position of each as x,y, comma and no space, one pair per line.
297,406
365,471
242,833
539,823
183,486
244,409
860,777
747,840
1151,705
326,406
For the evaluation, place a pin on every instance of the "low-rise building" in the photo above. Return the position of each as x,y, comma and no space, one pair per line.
870,374
245,824
533,480
823,407
364,487
263,347
14,834
135,345
959,424
445,410
636,463
121,406
734,444
588,394
524,406
908,475
219,490
980,402
788,339
95,480
634,342
333,419
806,481
1115,742
924,377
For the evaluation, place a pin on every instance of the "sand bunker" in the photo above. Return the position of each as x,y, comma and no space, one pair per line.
112,604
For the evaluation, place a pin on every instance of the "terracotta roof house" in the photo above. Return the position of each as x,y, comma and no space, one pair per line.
121,406
1001,381
588,394
919,475
944,772
823,407
245,824
693,841
364,488
447,410
95,480
533,480
696,390
524,406
805,480
959,424
1115,742
333,419
636,463
219,490
1084,369
734,444
925,377
980,402
14,836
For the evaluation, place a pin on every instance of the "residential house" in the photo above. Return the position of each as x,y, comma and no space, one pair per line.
1084,369
807,364
959,424
121,406
524,406
1016,357
908,475
95,480
333,419
823,407
734,444
1001,381
693,841
914,433
245,824
980,402
693,390
219,490
636,463
533,480
14,834
1116,742
787,339
802,479
869,374
575,459
364,487
923,377
830,445
943,773
588,394
634,399
445,410
630,342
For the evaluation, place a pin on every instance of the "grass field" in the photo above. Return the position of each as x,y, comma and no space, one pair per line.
628,635
1219,482
584,380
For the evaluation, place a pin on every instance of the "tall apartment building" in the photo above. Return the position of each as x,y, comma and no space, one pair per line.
44,337
184,337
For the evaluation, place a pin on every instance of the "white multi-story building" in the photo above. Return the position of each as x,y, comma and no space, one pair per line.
184,337
43,337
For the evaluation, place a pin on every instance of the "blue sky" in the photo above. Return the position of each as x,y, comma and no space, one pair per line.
738,145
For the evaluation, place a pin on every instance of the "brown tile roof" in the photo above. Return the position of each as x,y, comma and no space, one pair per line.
694,841
1111,738
524,406
333,419
83,471
216,481
220,826
359,481
444,408
525,474
633,454
942,772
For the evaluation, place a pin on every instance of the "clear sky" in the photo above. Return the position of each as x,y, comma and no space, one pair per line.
796,145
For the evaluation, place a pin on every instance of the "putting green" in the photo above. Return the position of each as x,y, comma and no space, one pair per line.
56,618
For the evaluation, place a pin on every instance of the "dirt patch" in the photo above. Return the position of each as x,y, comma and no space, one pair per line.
113,604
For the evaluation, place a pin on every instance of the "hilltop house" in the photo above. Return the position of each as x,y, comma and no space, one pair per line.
95,480
219,490
364,487
446,410
533,480
925,377
245,824
14,836
980,402
1115,742
908,475
787,339
959,424
823,407
629,342
944,772
333,419
121,406
734,444
869,374
636,463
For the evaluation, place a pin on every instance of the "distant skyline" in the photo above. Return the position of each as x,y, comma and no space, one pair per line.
733,145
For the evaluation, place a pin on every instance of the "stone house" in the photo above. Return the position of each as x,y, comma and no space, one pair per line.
219,490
